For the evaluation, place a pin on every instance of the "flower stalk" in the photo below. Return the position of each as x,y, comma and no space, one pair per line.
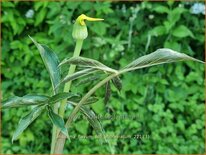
79,34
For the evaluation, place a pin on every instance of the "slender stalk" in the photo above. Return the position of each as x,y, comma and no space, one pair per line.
67,87
72,68
79,33
54,132
61,138
54,128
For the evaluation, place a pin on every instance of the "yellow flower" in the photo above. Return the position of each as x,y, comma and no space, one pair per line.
80,29
83,17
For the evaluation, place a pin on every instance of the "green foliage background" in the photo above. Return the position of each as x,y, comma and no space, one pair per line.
167,100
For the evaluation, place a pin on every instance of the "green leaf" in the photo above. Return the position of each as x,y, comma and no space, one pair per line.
89,63
90,100
182,31
172,45
158,30
160,56
95,123
117,83
174,16
51,62
161,9
57,121
40,16
88,79
61,96
93,120
77,75
8,5
27,120
26,100
34,99
12,102
100,28
107,92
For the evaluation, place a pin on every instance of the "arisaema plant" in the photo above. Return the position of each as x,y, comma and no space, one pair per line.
55,105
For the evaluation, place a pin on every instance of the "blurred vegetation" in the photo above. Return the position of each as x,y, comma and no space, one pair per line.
167,100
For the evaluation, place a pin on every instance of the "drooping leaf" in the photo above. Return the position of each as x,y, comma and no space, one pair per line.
96,124
57,121
27,120
24,101
89,63
182,31
160,56
107,92
93,120
78,74
61,96
91,100
117,83
88,79
51,62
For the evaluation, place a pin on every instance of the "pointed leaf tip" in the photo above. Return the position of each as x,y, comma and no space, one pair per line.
51,63
160,56
27,120
26,100
57,121
88,63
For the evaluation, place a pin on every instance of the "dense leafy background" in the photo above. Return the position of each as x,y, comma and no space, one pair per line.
167,100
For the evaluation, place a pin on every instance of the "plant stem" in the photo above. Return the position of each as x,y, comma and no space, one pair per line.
72,68
61,138
54,128
67,87
54,132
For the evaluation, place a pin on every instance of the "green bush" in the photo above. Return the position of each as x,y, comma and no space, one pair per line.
167,101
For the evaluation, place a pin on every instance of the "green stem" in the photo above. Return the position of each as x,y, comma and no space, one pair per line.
54,132
54,128
67,87
72,68
61,138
